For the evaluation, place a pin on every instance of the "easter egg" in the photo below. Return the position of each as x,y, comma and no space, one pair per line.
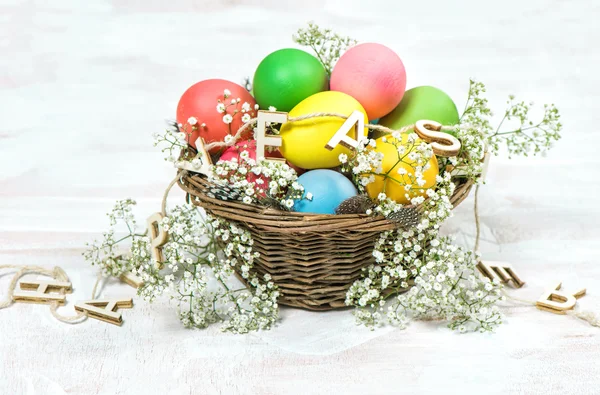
286,77
234,151
303,142
422,102
374,75
326,190
397,171
199,116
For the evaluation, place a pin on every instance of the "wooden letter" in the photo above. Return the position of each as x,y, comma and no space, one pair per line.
41,289
443,144
202,156
271,140
501,270
158,238
131,280
105,310
356,122
558,302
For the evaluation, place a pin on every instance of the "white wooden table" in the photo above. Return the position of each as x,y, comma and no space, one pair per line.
83,84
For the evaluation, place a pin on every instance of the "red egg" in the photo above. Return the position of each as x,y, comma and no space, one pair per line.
207,110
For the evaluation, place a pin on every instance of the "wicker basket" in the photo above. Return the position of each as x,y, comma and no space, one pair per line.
313,258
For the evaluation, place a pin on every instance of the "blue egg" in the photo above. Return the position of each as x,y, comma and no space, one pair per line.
374,121
328,189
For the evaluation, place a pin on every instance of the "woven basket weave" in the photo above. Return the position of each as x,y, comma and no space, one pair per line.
313,258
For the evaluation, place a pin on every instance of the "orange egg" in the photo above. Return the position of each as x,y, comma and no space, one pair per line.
397,171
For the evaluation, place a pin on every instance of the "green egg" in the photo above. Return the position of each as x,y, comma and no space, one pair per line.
422,102
286,77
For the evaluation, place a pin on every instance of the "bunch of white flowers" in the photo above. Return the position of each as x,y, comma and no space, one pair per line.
365,166
258,179
431,269
201,258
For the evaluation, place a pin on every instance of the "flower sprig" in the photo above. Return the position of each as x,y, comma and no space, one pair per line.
327,45
200,261
107,253
528,137
172,142
412,157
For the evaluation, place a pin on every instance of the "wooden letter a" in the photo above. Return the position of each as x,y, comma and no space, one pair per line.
105,310
355,122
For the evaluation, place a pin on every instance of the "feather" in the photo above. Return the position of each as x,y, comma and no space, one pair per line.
223,192
405,216
270,202
355,205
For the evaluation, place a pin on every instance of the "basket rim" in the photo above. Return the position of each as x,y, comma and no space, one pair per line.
274,220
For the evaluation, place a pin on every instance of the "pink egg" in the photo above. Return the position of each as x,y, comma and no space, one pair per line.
241,146
233,153
374,75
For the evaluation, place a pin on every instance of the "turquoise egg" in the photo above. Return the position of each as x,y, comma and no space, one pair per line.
328,189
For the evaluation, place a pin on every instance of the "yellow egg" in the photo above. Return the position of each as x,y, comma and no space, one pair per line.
390,181
303,142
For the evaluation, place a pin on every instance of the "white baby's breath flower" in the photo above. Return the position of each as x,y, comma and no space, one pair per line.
226,93
227,118
309,196
192,121
271,108
246,118
228,139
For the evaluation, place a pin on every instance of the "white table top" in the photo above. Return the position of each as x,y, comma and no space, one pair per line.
84,84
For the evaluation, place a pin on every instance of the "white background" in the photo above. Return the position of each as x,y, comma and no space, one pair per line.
83,84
